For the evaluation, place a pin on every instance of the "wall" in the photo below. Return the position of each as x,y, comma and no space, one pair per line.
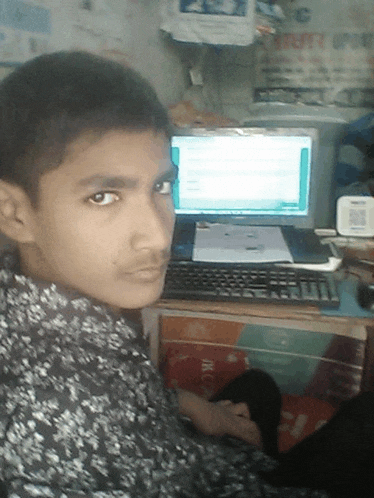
338,69
126,30
228,79
129,31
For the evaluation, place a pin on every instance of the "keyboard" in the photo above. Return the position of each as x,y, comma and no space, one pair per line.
249,283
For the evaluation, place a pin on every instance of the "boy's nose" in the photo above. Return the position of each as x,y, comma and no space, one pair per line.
153,228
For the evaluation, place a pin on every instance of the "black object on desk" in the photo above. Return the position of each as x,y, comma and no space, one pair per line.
365,295
305,245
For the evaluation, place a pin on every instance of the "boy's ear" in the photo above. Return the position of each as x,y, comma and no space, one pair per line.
15,213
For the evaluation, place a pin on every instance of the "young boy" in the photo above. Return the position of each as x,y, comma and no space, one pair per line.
85,193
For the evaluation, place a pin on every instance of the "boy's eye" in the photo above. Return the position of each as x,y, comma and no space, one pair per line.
164,187
103,198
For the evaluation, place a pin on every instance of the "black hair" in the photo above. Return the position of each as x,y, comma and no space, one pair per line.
50,101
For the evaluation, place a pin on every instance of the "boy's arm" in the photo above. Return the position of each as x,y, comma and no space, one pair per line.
221,418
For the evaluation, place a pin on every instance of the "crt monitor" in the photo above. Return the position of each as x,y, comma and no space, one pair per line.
255,176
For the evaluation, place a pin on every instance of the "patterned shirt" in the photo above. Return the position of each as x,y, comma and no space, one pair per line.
83,412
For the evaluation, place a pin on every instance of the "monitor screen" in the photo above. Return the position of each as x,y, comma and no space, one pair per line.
251,175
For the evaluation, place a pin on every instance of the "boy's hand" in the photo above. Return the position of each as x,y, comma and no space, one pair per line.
221,418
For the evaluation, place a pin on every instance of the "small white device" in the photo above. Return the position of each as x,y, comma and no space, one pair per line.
355,216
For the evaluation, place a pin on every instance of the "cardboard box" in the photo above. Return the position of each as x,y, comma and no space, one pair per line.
202,352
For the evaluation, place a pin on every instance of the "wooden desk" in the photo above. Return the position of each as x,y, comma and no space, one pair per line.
343,325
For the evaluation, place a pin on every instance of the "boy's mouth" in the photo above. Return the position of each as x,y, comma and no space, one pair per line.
148,273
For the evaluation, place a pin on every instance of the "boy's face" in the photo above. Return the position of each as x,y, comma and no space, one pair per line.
105,219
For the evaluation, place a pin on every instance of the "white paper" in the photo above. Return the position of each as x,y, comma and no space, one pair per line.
215,22
216,242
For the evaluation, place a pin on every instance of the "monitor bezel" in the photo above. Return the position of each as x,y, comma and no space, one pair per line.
298,221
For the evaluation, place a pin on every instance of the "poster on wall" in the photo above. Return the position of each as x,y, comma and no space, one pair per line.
25,28
322,54
214,22
29,28
95,27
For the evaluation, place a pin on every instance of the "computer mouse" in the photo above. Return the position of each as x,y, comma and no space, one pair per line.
365,295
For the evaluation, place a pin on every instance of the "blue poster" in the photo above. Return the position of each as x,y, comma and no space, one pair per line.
213,22
216,7
20,15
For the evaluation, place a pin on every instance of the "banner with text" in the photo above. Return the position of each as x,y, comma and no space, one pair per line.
322,54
